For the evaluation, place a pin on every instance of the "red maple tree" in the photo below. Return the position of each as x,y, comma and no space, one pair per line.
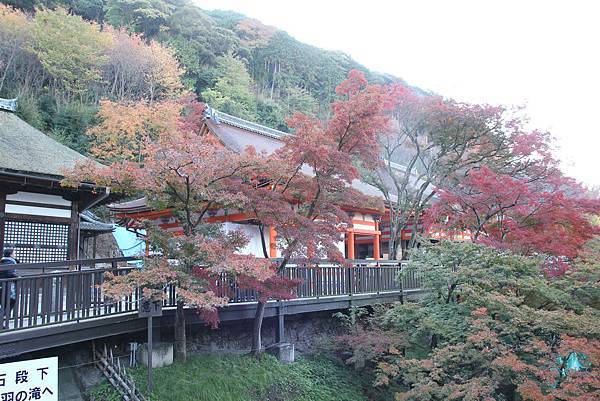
526,205
310,179
177,168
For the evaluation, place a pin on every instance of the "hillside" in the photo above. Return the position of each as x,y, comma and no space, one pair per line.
241,378
236,64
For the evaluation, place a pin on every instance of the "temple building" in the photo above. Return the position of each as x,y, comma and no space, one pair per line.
42,220
360,241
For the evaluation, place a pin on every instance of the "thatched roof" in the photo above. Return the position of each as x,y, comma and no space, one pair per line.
28,150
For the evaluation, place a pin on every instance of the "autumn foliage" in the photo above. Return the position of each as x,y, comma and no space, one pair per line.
491,328
157,149
311,176
527,205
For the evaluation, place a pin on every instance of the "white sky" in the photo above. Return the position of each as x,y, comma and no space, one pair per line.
542,54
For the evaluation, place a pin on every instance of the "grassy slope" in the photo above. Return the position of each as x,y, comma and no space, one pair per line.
242,378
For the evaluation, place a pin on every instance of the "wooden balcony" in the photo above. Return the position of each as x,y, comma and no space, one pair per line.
48,295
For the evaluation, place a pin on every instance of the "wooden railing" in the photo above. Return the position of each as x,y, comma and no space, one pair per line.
27,269
71,290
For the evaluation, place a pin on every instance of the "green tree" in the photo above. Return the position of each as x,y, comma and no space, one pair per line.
271,114
197,41
143,16
92,10
300,100
491,328
70,123
232,92
71,50
14,34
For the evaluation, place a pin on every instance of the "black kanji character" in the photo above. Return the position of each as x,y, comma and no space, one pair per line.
21,377
43,371
35,393
10,396
2,379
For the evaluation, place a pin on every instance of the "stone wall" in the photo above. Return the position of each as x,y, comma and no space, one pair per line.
308,332
106,247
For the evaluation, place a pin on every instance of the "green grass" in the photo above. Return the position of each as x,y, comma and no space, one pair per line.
243,378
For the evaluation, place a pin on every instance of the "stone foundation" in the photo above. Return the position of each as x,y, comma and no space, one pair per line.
284,352
307,332
162,355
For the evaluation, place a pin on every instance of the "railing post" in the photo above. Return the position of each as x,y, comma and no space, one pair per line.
319,285
350,280
401,282
5,303
80,295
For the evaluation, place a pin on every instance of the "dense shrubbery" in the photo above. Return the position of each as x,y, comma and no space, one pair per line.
492,328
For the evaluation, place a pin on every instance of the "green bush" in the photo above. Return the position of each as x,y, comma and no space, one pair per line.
70,123
28,110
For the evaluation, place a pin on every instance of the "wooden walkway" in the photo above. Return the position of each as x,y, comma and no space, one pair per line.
55,305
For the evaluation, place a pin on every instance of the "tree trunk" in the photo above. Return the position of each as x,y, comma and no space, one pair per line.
398,251
261,229
180,341
257,329
273,80
434,341
8,63
260,314
450,291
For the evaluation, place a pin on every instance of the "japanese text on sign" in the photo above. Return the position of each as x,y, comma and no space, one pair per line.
36,379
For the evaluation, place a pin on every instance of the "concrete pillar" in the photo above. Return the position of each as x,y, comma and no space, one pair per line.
280,333
284,352
162,354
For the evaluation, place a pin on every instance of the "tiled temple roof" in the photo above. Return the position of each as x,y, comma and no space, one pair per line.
88,221
219,117
237,134
8,104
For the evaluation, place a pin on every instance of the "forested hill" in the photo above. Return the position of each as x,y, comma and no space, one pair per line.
60,68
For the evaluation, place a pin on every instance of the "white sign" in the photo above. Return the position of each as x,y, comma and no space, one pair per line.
36,379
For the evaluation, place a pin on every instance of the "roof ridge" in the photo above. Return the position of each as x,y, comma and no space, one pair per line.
8,104
218,116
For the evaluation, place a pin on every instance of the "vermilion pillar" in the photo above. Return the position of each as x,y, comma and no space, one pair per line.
272,242
350,235
376,246
376,239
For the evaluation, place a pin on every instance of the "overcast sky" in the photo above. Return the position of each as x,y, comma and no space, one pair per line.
542,54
